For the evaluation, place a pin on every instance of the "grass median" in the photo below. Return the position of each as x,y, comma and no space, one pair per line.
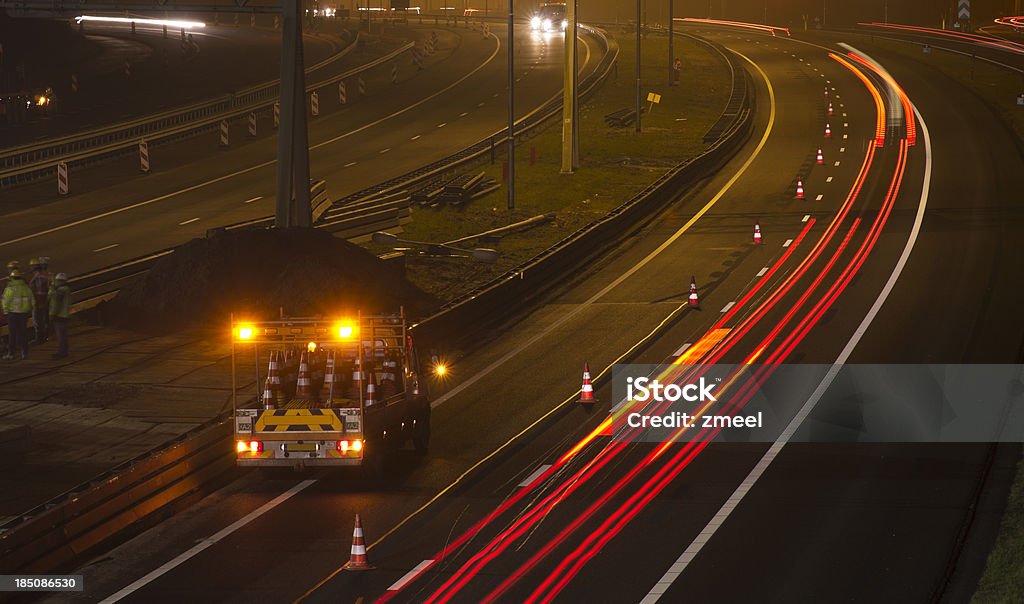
615,164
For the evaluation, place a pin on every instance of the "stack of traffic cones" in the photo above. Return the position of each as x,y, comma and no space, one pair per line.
303,385
356,387
693,300
799,188
757,234
587,390
821,158
357,558
371,390
274,378
327,390
268,395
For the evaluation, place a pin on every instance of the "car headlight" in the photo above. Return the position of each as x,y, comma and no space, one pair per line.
535,23
565,24
547,23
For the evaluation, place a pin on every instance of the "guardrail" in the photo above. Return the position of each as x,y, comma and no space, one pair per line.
52,536
34,162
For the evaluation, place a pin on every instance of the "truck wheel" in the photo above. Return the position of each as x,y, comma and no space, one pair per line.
421,434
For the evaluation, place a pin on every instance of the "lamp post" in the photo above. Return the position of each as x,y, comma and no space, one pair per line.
639,107
570,134
511,107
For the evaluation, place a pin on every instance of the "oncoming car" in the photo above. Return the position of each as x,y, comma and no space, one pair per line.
550,17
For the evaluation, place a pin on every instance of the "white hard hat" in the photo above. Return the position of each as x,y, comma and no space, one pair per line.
61,277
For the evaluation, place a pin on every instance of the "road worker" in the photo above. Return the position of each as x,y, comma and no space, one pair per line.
60,312
17,305
39,283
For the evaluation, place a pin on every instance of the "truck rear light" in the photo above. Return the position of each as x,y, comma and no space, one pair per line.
357,445
343,446
255,446
242,446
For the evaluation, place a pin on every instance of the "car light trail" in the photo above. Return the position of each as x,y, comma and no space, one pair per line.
989,41
142,21
908,110
774,31
875,94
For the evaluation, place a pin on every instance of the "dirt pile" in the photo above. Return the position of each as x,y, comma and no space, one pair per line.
253,273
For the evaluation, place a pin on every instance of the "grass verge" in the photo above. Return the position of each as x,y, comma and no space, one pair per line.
1003,580
615,164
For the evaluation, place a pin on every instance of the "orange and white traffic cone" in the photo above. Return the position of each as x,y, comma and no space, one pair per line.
268,395
327,391
357,558
757,234
356,386
303,385
371,390
830,108
274,378
694,300
587,389
826,90
821,157
828,130
799,188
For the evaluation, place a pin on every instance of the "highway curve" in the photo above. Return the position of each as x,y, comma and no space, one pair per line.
450,105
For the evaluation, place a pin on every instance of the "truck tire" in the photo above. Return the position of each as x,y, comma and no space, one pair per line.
421,434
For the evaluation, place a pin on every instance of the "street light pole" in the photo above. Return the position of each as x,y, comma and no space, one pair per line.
511,107
569,92
671,40
639,107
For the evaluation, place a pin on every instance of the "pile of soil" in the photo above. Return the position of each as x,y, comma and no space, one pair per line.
254,273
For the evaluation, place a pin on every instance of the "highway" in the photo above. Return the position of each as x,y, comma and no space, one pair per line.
903,252
119,214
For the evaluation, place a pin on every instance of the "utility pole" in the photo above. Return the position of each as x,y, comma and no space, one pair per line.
570,140
639,106
671,41
511,106
293,140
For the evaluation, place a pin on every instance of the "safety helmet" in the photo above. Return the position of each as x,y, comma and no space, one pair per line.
15,273
61,277
13,264
34,262
44,261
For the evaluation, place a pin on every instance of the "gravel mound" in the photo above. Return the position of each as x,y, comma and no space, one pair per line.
253,273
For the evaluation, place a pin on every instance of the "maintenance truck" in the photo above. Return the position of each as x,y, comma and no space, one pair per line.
335,393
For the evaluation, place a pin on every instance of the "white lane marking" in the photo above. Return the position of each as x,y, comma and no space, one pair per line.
846,125
808,216
248,201
464,114
442,124
636,267
536,474
846,136
190,221
762,272
842,149
829,179
383,151
844,114
829,82
106,247
787,243
837,96
205,543
416,137
224,177
841,105
818,198
412,574
726,308
755,474
350,164
836,164
682,349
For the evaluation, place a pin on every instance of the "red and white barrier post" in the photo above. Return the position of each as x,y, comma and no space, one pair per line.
225,134
314,103
252,124
62,178
143,156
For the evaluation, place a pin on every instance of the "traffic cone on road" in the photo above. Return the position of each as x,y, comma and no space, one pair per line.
371,390
274,377
826,90
693,301
799,188
586,390
821,157
830,108
357,558
356,386
327,391
268,395
757,234
828,130
303,385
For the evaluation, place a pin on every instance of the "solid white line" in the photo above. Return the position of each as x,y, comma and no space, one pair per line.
808,216
224,177
248,201
562,320
762,272
190,221
678,353
205,543
737,496
107,247
787,243
412,574
536,474
726,308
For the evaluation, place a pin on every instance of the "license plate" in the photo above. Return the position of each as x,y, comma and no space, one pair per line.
295,447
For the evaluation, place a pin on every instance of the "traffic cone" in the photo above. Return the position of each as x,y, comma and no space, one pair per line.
268,395
830,108
694,301
303,385
356,386
371,390
757,234
826,90
357,558
327,390
587,390
828,130
274,378
799,188
821,158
